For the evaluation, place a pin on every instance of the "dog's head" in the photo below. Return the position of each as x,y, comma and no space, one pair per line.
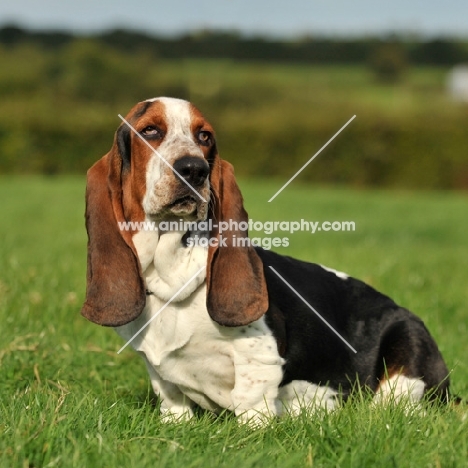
164,165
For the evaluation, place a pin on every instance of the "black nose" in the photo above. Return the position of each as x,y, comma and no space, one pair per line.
193,169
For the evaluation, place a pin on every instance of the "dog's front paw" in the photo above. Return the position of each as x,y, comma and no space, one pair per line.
176,414
255,419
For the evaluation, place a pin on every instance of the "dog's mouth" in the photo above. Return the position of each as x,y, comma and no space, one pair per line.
185,205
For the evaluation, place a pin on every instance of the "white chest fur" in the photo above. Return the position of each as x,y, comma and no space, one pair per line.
190,358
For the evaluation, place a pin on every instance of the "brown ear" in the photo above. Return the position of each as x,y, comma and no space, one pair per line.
237,293
115,292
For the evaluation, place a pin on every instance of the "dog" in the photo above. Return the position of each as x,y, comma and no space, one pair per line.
220,323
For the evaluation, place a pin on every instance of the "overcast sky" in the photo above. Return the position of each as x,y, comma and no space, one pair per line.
272,17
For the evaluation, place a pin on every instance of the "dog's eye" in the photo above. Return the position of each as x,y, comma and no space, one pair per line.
204,138
152,132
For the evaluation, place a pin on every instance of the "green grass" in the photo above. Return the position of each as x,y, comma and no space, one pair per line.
68,399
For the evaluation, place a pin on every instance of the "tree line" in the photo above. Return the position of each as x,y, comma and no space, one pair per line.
232,45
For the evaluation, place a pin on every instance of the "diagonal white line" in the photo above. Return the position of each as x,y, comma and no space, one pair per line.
157,153
313,310
312,158
161,309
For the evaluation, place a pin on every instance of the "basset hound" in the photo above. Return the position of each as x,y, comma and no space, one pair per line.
215,325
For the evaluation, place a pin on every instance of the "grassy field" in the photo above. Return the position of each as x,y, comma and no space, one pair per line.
68,399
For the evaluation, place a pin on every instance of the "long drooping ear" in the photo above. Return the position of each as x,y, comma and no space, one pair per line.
115,292
237,293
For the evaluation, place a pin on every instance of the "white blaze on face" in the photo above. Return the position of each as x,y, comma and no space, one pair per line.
179,127
178,141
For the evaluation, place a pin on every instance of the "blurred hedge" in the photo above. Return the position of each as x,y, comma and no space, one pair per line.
59,106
